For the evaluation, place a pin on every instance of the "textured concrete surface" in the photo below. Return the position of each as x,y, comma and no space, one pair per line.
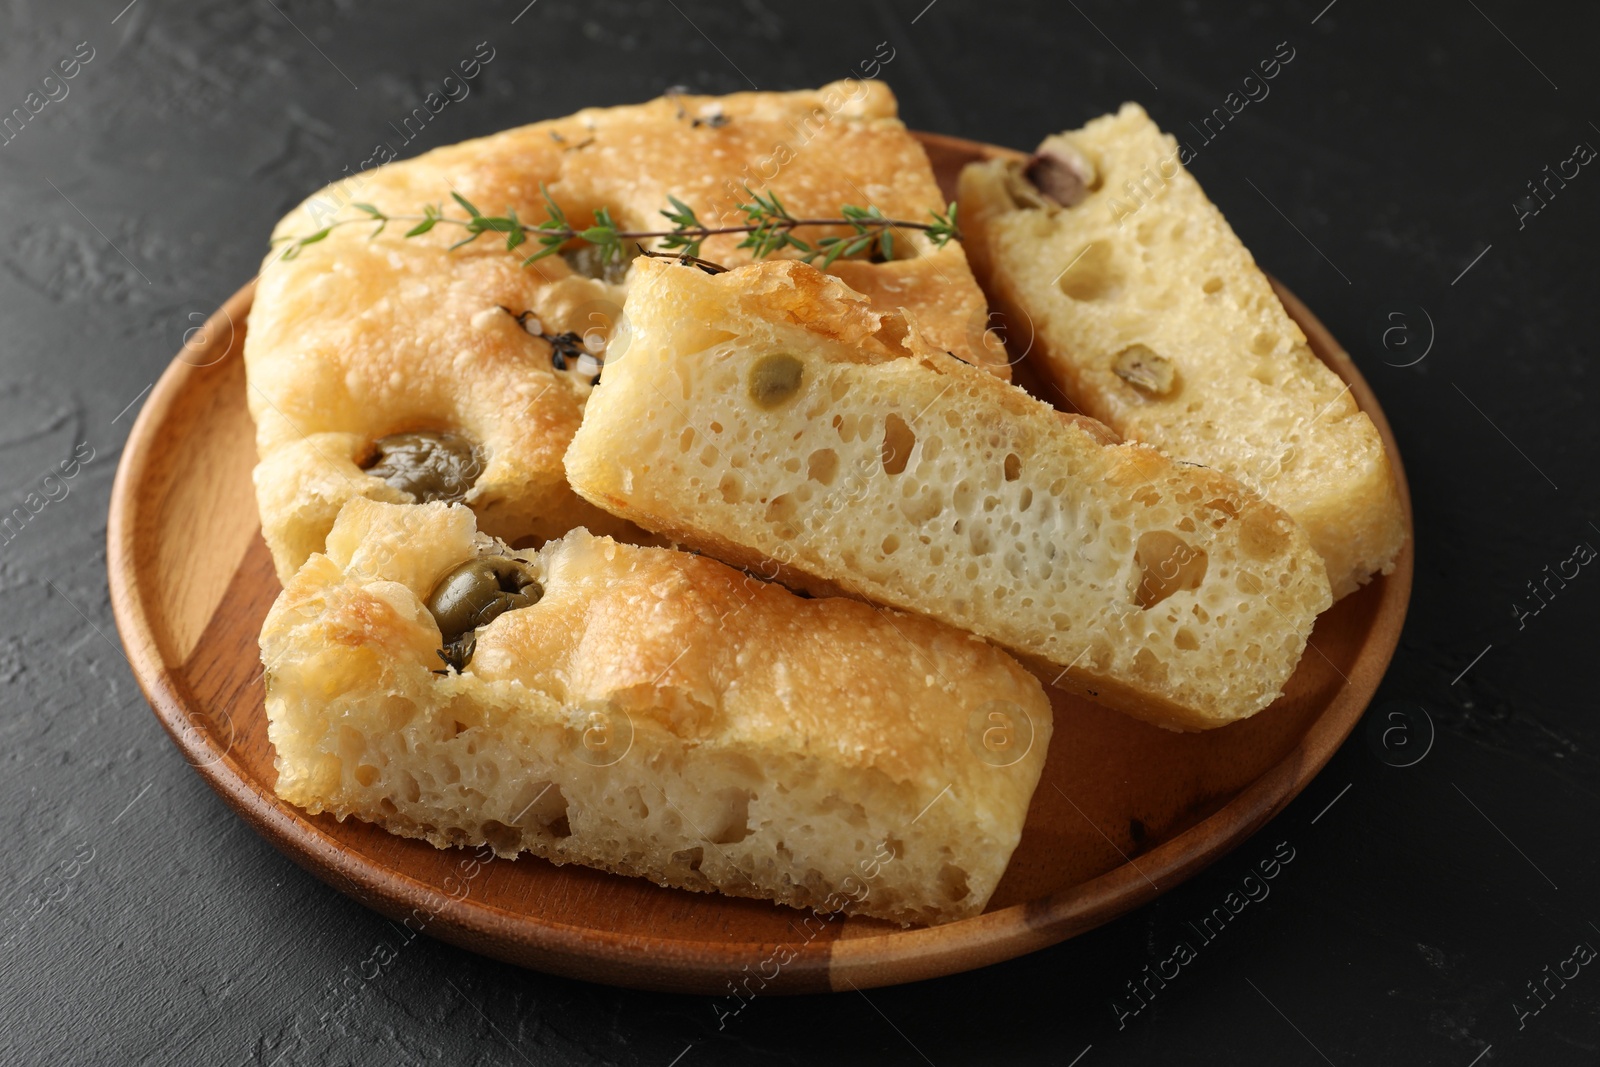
142,923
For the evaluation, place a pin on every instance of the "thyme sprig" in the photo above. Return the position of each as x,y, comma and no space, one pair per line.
768,226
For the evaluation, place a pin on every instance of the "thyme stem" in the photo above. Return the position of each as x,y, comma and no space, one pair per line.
768,227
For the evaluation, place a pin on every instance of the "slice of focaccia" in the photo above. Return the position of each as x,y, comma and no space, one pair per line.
648,712
772,417
393,368
1151,315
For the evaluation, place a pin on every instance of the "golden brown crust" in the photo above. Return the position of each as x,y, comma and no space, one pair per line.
371,336
371,342
726,685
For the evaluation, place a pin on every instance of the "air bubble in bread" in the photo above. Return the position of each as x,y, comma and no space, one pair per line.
362,335
653,713
897,474
1150,313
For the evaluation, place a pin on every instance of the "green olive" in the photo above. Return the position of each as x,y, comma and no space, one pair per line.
480,591
774,379
429,465
1146,371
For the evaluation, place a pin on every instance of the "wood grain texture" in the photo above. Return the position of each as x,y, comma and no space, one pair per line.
1124,812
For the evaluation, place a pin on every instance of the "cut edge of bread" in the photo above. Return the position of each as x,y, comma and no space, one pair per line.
1145,259
899,475
515,755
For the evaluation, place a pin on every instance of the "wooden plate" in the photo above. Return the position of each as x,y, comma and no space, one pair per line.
1125,811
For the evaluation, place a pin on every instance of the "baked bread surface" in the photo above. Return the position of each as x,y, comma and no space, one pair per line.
1145,259
358,337
655,714
895,473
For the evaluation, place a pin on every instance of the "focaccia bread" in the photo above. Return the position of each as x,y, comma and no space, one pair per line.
772,417
652,713
358,337
1151,315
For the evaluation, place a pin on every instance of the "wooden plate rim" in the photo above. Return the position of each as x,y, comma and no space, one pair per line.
703,966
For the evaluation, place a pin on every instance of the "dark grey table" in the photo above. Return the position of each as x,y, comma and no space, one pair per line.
1443,890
